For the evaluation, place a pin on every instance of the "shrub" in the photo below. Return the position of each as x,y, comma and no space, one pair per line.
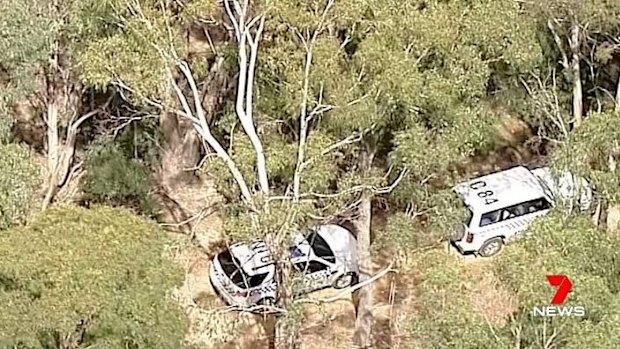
115,179
101,266
19,179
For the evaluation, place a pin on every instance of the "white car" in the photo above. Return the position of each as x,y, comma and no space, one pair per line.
501,205
243,275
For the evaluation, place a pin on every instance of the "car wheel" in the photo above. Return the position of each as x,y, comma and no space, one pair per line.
265,302
491,247
345,280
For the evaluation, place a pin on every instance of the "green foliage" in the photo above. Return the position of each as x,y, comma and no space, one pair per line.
592,151
19,180
114,178
5,120
445,317
26,29
135,46
573,247
100,263
589,257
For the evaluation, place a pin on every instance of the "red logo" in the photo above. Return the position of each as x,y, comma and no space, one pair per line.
564,286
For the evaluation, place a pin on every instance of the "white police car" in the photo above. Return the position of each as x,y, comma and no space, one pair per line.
243,275
501,205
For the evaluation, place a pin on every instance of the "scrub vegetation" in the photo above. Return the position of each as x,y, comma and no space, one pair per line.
138,137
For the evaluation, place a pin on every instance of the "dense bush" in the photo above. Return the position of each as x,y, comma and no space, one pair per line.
19,179
115,179
102,266
590,258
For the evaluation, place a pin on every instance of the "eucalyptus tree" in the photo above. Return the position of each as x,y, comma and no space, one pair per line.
268,196
589,257
434,79
39,44
76,278
583,37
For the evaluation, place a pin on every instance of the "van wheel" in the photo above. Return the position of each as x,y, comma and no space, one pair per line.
491,247
345,280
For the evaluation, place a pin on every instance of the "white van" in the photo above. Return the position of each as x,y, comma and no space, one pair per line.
501,205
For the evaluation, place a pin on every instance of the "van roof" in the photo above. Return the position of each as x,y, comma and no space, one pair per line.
510,187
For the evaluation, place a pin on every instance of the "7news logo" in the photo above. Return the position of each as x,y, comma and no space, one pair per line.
562,282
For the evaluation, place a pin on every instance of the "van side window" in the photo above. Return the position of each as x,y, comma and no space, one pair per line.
514,211
537,205
490,218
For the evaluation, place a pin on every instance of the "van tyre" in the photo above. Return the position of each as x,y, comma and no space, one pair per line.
491,247
345,280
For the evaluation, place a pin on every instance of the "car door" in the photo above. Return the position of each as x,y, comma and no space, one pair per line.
319,265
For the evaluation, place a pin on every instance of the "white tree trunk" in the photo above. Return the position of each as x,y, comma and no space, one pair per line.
238,15
202,127
576,74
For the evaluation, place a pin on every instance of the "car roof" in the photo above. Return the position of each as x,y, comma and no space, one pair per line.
337,237
510,187
251,257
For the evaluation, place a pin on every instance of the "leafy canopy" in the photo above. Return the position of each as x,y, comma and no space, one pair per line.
19,180
73,264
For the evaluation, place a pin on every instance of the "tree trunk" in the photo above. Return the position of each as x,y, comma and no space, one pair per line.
181,150
181,154
283,333
617,108
362,337
62,99
576,72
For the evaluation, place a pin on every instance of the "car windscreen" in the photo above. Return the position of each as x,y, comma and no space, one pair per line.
231,267
320,247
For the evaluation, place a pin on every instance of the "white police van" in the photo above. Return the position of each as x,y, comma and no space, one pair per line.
501,205
243,275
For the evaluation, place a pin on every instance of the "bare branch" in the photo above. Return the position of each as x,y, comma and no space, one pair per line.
320,108
303,121
558,43
248,121
359,188
346,141
202,127
245,85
